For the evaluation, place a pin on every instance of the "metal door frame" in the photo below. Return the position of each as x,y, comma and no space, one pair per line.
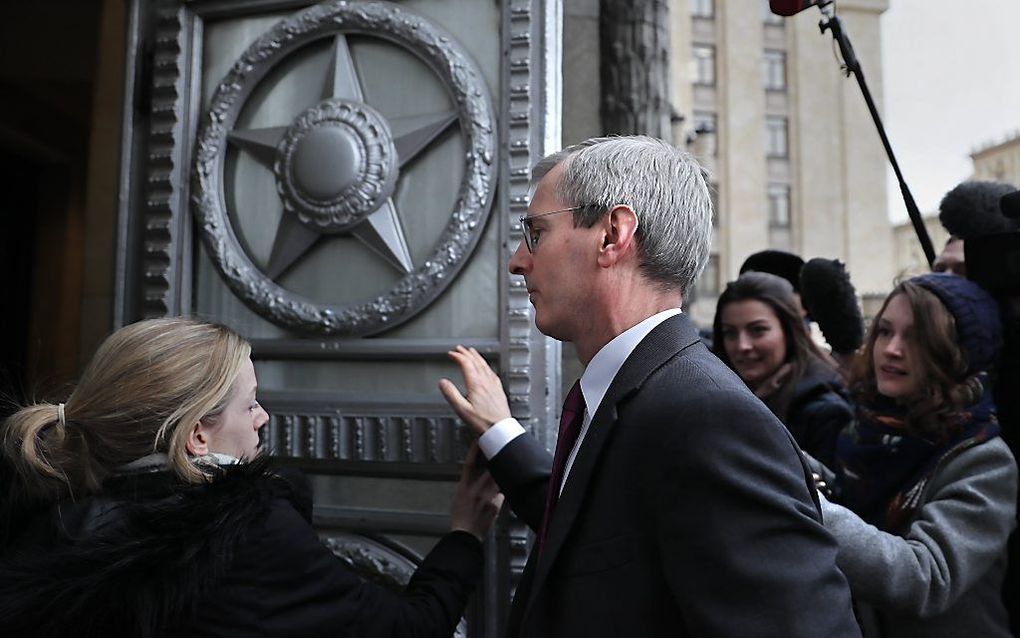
156,248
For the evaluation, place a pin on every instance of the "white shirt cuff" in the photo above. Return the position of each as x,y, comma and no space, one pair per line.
496,437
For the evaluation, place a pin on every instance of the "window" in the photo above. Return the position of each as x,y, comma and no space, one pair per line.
774,70
768,17
704,64
708,283
713,193
702,8
779,205
999,172
775,136
705,127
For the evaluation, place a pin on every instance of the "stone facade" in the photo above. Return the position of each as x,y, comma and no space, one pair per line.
998,162
796,159
910,259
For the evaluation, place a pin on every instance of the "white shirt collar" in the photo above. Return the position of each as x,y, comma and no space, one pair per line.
607,362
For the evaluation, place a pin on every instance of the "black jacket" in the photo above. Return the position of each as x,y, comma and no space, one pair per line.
150,556
818,411
688,511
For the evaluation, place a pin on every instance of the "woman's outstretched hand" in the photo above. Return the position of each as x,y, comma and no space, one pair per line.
477,500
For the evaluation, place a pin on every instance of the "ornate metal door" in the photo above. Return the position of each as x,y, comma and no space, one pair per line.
340,182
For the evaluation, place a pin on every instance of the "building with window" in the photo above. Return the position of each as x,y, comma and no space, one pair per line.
910,259
796,161
998,161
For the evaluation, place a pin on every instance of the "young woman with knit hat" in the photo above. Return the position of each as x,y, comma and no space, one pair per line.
924,488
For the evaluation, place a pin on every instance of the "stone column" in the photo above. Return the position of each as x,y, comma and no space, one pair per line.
634,39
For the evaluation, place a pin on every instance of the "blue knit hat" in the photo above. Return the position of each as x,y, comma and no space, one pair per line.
976,313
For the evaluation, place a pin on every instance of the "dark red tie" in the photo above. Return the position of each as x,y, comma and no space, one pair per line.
570,427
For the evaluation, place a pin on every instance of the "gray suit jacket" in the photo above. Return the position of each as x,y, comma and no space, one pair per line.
688,512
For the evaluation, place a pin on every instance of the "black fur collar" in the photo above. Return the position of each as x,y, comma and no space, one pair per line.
135,559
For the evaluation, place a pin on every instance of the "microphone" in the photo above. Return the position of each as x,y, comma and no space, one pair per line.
787,8
974,209
830,299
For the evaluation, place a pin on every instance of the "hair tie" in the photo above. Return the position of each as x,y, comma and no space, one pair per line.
60,415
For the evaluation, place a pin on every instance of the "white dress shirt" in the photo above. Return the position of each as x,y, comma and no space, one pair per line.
595,381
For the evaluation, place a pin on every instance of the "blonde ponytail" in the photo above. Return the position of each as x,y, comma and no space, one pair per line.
146,387
33,442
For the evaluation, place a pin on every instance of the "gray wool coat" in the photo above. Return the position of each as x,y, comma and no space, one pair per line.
944,578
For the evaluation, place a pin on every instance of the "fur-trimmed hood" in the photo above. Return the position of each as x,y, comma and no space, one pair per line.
135,559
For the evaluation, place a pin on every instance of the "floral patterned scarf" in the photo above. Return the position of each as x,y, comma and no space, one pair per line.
882,469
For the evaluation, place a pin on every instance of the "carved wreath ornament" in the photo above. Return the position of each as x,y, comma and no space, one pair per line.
337,164
374,561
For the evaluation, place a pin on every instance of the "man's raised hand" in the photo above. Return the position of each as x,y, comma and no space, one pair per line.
483,402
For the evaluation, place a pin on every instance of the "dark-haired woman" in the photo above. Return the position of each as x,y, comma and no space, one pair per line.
759,333
926,487
142,507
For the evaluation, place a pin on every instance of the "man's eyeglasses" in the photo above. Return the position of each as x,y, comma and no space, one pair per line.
531,236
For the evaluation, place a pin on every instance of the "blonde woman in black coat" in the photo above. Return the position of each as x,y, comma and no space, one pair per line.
142,507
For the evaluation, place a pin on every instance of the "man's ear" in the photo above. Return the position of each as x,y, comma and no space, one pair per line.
198,440
618,239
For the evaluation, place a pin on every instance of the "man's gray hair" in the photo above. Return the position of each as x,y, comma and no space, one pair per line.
666,188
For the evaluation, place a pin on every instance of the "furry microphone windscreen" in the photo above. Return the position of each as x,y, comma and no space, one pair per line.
831,300
1010,205
972,210
775,262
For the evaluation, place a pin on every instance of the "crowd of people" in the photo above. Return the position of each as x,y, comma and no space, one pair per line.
919,489
750,484
917,481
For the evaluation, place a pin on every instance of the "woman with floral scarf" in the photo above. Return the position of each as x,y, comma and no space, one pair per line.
924,490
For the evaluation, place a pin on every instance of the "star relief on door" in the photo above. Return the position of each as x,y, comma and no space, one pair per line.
337,164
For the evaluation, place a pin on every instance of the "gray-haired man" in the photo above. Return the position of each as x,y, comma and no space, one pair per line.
676,504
